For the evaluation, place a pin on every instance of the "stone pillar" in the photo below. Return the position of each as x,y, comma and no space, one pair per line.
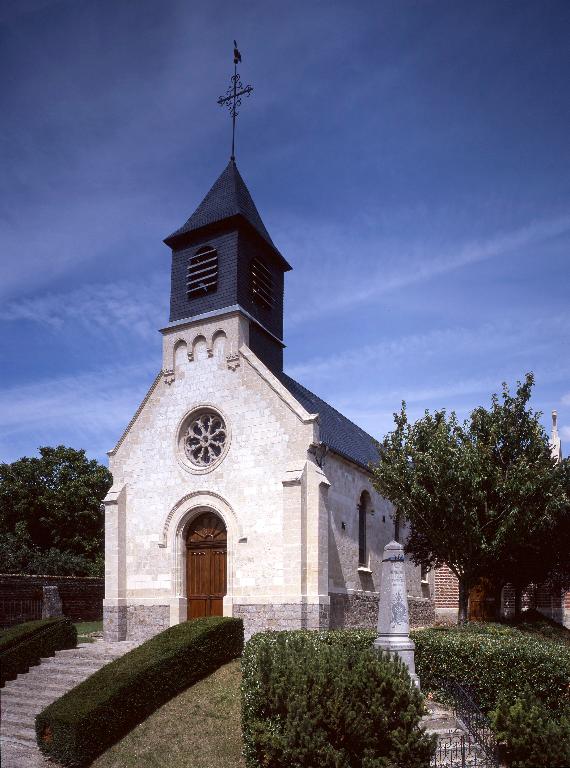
51,604
114,604
393,614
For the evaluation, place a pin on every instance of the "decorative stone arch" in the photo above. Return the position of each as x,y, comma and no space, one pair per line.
178,345
199,340
364,508
176,525
219,344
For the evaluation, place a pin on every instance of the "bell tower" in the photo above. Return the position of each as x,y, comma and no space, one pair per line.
224,260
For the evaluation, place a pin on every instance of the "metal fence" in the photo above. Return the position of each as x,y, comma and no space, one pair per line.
477,748
16,611
461,752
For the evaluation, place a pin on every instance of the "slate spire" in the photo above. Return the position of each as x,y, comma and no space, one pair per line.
229,197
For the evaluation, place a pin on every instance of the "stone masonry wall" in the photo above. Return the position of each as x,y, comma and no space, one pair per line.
115,622
263,617
360,611
353,611
144,621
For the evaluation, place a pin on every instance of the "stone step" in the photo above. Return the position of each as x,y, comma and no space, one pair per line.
27,759
31,687
441,725
24,733
23,698
22,707
49,673
97,654
14,718
22,693
78,665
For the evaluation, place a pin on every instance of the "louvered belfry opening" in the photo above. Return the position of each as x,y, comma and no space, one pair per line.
261,284
202,274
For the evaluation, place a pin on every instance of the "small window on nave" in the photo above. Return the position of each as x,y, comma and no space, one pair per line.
261,284
202,275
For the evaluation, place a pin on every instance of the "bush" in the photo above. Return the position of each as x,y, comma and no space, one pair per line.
531,735
75,729
328,699
493,659
24,645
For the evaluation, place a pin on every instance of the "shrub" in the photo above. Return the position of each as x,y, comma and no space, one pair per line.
24,645
328,699
531,735
75,729
492,659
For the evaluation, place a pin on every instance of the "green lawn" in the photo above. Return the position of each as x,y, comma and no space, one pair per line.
199,728
84,629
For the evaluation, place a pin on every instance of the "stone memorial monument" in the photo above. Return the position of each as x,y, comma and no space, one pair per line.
393,616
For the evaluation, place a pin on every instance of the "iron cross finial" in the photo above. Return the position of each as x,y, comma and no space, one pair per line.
232,99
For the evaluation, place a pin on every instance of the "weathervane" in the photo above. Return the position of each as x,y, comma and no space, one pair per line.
232,99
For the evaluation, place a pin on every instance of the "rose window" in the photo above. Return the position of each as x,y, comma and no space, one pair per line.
205,439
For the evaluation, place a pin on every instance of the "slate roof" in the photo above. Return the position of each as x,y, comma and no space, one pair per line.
339,433
228,197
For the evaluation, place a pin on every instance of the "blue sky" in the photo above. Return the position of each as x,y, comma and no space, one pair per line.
410,159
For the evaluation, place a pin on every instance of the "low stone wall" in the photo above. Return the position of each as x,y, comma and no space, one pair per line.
360,611
81,596
353,611
422,612
260,617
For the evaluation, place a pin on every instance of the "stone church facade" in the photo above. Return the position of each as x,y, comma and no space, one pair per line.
236,491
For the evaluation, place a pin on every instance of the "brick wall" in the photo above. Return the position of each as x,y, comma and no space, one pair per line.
81,597
543,598
446,589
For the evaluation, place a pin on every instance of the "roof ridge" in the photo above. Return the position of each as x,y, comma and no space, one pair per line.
353,443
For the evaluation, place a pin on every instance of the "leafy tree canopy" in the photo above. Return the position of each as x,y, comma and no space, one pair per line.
483,496
50,513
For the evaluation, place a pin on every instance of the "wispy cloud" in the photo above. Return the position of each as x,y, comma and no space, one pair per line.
420,264
529,334
86,410
125,308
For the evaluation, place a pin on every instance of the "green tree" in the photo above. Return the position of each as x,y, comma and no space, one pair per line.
483,497
50,513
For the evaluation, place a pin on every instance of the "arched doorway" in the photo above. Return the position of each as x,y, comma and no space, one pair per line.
206,580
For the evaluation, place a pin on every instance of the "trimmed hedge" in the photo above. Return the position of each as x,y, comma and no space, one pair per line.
493,659
22,646
529,734
329,699
87,720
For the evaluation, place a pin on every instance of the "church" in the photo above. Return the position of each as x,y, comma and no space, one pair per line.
237,491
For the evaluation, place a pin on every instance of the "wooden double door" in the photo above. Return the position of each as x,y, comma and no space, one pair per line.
206,571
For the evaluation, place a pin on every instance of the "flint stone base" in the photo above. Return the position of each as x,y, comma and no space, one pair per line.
114,623
353,611
262,617
134,622
421,611
360,611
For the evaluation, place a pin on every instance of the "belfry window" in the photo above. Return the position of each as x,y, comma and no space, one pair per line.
202,275
261,284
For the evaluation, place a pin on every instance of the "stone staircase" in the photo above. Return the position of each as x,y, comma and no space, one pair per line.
23,698
450,731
